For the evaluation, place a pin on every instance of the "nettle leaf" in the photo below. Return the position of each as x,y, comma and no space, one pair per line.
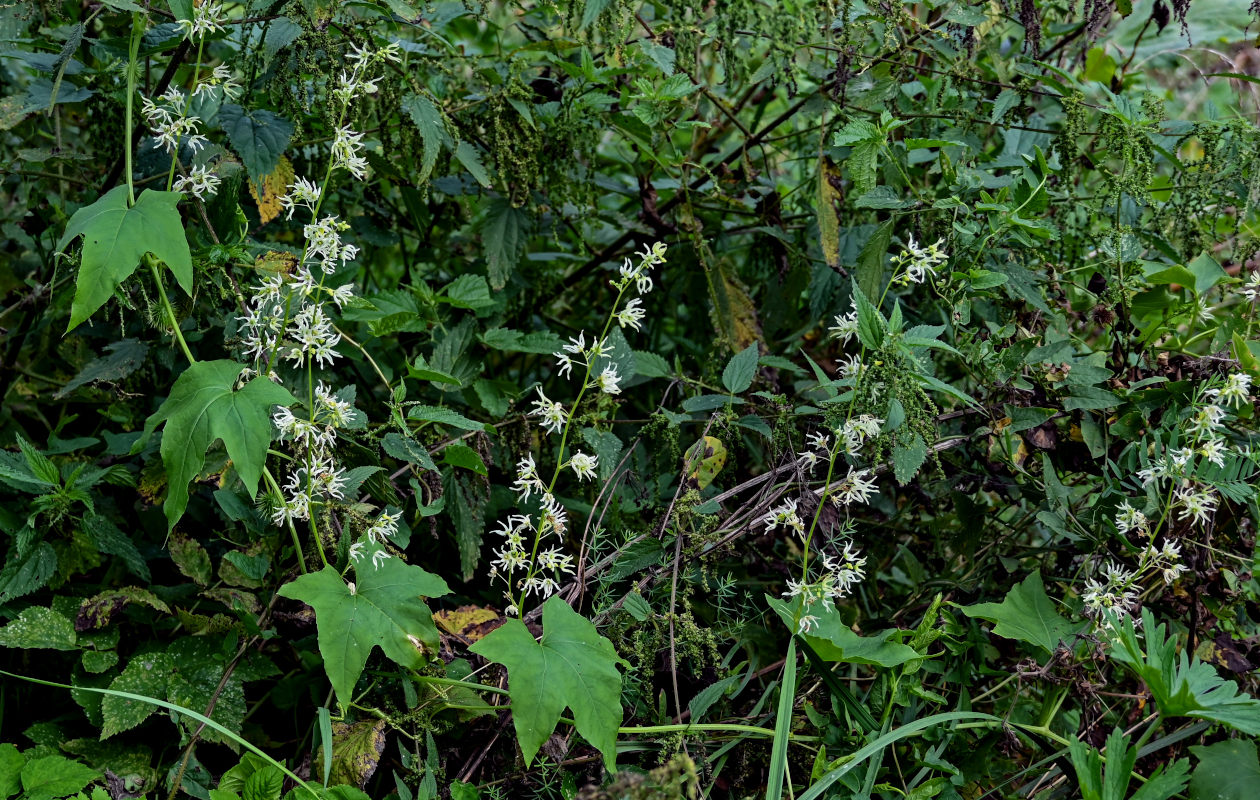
54,776
38,627
258,136
572,666
503,232
741,370
116,237
204,406
381,609
428,119
872,327
1027,614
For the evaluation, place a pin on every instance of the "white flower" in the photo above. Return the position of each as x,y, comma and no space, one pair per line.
857,487
384,528
556,560
1129,519
850,366
1206,420
379,557
806,623
206,18
356,551
1236,388
843,571
632,315
808,460
527,478
342,294
784,515
1251,290
1214,451
845,327
347,148
584,465
608,380
552,518
1199,504
201,182
301,193
552,413
920,262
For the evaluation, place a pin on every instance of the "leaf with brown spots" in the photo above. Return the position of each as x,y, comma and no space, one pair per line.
274,187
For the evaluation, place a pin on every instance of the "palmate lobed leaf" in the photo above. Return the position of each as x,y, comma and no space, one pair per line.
1183,686
1027,614
204,406
572,666
381,609
116,237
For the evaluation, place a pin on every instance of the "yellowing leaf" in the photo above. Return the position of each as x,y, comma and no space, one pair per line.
468,622
275,185
704,460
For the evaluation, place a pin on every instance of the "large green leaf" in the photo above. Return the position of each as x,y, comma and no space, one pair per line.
1027,614
382,608
1182,686
571,666
54,776
428,119
39,627
116,237
833,640
1227,770
741,369
258,136
204,406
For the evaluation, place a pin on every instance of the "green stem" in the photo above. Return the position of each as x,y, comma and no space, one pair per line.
297,542
170,177
170,312
137,32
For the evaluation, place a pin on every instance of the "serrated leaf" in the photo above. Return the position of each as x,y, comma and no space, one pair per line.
116,237
429,121
863,166
503,231
467,155
444,416
468,291
741,370
872,327
1028,615
407,449
870,261
258,137
907,458
204,406
124,358
273,188
54,776
146,675
39,628
572,666
191,559
381,609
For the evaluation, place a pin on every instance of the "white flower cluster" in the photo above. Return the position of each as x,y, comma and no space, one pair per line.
846,325
1204,429
170,122
1251,289
289,317
916,263
521,551
207,18
835,579
220,79
1114,590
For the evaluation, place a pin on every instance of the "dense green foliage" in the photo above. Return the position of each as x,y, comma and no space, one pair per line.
615,400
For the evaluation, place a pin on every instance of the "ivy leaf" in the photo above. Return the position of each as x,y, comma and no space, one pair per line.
382,609
116,237
258,136
202,407
571,666
1026,614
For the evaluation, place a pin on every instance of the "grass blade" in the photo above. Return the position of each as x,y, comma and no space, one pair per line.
782,725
